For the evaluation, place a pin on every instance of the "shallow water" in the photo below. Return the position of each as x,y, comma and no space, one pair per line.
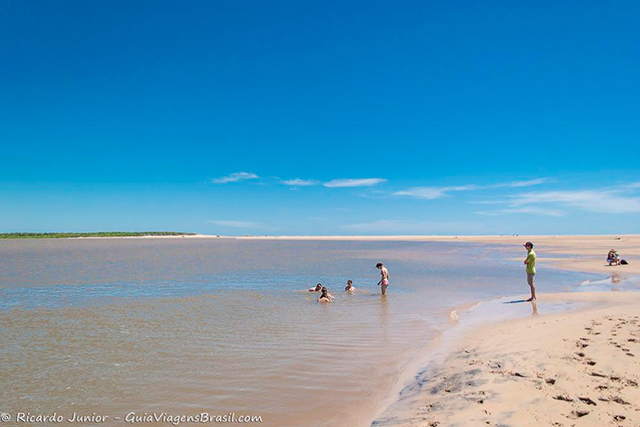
184,326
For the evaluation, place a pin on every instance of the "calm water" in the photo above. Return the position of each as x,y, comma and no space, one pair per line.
184,326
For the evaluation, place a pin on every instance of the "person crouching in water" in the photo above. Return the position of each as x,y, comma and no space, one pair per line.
326,296
349,287
318,288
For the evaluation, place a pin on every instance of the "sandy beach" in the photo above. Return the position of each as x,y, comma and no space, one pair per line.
572,369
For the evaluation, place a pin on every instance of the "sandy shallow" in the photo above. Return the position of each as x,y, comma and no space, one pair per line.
577,253
576,368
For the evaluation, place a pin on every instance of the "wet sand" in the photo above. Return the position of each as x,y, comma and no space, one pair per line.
578,368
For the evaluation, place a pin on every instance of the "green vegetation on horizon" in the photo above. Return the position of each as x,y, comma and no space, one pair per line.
96,234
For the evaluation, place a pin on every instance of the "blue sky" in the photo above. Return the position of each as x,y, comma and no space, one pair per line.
320,118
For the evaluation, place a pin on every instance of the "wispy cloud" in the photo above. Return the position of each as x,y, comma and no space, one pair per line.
362,182
235,177
520,184
610,201
431,193
297,182
525,210
401,226
234,223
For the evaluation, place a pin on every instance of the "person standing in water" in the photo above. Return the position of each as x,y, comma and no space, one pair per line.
384,281
530,262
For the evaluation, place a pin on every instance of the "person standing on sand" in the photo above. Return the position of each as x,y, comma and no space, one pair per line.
530,262
384,281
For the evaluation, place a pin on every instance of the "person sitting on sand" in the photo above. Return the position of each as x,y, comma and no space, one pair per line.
318,288
613,258
349,287
326,296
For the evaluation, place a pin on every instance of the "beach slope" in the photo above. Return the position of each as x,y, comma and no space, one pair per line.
579,368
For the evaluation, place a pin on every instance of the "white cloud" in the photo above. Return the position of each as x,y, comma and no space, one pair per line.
235,224
363,182
297,182
235,177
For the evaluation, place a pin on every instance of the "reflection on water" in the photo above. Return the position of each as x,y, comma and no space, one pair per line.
622,282
384,318
191,325
534,308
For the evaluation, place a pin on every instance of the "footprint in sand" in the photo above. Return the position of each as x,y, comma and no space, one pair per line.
578,414
620,400
587,400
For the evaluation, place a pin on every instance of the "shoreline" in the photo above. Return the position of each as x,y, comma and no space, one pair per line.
451,390
473,373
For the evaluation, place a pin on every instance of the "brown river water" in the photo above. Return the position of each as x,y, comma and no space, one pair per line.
110,327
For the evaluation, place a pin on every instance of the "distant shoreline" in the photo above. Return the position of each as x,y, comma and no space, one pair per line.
99,234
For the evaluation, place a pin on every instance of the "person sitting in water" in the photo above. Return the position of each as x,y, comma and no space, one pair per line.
349,287
326,296
613,258
318,288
